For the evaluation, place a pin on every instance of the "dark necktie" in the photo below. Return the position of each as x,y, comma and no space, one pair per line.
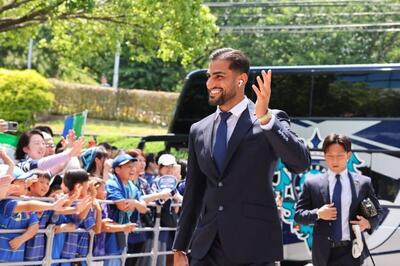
219,152
336,199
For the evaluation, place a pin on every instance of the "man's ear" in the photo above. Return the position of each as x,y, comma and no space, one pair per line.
242,79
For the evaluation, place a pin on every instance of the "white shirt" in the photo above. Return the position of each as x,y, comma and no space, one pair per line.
346,198
236,111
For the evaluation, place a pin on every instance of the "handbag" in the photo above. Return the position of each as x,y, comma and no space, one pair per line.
367,208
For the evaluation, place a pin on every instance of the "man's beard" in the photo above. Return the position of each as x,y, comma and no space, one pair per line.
222,98
216,100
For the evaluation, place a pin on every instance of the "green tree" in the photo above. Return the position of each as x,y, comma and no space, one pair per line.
296,33
72,34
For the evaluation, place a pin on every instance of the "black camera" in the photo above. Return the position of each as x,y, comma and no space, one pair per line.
12,126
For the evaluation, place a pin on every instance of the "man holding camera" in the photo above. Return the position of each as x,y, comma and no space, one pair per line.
331,202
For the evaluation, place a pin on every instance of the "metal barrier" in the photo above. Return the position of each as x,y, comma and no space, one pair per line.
49,232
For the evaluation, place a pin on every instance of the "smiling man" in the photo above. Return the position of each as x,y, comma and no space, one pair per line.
229,213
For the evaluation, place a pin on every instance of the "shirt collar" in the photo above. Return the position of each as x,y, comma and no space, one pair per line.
237,110
342,174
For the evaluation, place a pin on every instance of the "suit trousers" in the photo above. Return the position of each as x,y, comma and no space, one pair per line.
342,256
216,257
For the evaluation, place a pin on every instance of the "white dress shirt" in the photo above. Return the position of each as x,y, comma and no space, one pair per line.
346,198
236,111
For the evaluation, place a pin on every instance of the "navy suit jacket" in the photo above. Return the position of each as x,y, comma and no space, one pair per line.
316,194
238,204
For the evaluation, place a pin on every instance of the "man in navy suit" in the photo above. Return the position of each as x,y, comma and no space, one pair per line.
229,214
331,201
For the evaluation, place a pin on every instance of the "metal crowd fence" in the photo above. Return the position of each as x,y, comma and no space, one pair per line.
89,259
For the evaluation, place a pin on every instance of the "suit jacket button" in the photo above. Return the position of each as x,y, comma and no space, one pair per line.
221,208
220,184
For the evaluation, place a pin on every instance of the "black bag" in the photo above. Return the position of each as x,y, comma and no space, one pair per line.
367,208
147,219
169,218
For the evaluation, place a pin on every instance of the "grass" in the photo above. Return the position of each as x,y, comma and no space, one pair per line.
110,128
124,135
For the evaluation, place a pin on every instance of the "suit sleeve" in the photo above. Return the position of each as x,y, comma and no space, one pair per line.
292,151
305,213
192,199
374,221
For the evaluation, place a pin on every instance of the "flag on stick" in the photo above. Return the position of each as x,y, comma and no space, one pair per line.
75,122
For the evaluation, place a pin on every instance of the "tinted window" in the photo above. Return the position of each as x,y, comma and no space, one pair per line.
302,93
356,95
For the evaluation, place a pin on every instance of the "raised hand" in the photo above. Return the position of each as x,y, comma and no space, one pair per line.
83,204
71,137
77,147
58,205
31,180
263,92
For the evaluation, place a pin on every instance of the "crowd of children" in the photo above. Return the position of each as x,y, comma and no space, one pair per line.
64,186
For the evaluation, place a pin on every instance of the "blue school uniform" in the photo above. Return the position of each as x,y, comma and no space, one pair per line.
136,237
116,190
84,238
99,246
76,244
36,246
9,220
59,239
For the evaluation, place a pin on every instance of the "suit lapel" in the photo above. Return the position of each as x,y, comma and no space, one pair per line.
355,191
244,123
324,188
208,140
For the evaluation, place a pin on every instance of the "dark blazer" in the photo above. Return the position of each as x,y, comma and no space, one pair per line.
316,194
239,204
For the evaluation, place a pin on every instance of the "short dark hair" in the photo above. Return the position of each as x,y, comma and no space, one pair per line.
24,142
75,176
106,145
340,139
238,60
46,129
150,158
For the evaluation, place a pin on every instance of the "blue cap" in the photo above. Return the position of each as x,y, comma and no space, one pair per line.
123,159
22,176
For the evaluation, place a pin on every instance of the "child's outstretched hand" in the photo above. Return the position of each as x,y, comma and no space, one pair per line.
83,204
58,205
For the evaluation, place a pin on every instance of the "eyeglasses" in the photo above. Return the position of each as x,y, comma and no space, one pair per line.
50,145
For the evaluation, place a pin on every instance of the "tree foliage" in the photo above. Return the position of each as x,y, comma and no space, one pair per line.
72,34
295,33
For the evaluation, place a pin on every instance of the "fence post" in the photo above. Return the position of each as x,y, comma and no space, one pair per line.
125,250
89,257
49,245
156,235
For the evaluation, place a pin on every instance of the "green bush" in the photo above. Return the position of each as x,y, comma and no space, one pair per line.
22,95
152,107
